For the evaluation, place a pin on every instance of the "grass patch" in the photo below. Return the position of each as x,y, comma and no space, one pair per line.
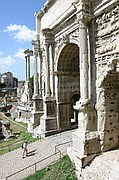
61,170
21,135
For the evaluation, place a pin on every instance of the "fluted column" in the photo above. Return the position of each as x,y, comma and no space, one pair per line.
28,53
52,69
28,68
47,75
83,58
37,22
35,73
40,78
25,68
38,25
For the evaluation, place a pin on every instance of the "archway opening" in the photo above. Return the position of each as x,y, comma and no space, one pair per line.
68,85
74,114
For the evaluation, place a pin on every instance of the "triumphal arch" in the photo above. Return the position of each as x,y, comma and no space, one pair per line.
76,74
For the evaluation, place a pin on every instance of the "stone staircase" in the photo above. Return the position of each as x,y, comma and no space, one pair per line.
103,167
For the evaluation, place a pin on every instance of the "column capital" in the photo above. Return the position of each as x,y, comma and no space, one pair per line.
48,37
36,46
83,20
46,45
37,15
36,43
28,53
84,5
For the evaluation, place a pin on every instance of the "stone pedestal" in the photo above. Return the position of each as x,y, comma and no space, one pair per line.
36,118
49,120
27,94
86,140
36,114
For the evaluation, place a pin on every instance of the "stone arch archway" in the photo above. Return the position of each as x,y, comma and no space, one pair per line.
68,83
108,114
74,114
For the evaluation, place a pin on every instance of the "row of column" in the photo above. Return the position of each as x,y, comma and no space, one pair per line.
49,90
27,53
38,61
83,61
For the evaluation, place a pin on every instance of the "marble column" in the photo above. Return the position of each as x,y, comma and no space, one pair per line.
40,74
28,53
47,75
25,68
52,70
35,73
36,112
28,68
83,59
38,25
26,96
86,139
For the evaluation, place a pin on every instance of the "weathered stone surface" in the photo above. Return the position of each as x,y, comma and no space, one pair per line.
76,48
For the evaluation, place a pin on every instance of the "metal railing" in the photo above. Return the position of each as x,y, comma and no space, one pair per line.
34,164
57,151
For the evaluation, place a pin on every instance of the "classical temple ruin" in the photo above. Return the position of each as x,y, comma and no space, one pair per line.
76,74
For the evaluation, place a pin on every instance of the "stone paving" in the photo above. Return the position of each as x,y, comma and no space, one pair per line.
12,162
103,167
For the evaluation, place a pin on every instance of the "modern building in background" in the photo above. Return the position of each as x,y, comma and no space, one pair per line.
9,84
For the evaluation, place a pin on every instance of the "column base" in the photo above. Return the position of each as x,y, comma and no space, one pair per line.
49,120
80,161
48,125
35,120
86,139
86,143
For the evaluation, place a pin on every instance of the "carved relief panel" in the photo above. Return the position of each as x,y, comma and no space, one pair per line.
51,108
107,33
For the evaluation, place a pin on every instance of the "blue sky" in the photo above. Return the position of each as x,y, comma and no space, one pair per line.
17,28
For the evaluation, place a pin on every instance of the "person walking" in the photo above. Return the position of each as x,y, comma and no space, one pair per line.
25,149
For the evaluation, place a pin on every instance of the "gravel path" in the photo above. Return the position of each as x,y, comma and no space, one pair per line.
12,162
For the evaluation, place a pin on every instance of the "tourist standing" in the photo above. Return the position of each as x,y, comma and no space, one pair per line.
25,149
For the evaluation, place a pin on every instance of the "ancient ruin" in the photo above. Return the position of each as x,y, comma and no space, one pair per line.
76,75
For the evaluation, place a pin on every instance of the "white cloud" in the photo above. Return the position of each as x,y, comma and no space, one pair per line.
6,62
20,54
1,53
20,32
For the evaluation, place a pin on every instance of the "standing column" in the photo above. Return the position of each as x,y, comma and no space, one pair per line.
40,69
83,58
52,69
28,68
28,91
28,53
38,25
37,22
86,140
35,74
25,68
47,76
